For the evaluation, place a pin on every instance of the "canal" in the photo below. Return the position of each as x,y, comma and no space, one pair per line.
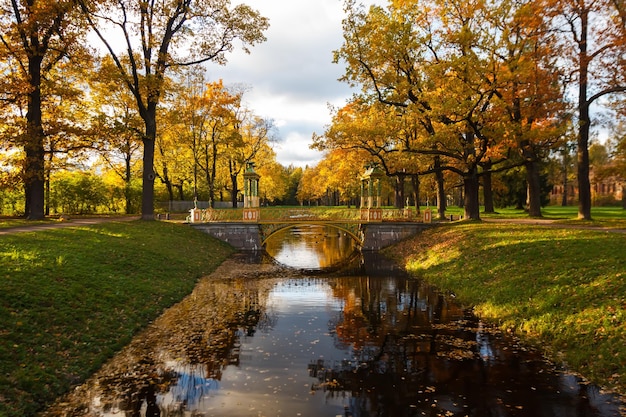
312,328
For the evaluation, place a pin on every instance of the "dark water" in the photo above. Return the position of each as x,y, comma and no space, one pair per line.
362,341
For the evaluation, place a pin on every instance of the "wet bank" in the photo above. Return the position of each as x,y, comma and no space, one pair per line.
258,339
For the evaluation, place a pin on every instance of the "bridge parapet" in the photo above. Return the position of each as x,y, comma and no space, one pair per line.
376,236
338,215
369,236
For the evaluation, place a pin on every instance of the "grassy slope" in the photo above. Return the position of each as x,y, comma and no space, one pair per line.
69,298
563,288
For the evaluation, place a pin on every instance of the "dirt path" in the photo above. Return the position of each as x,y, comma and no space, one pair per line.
87,221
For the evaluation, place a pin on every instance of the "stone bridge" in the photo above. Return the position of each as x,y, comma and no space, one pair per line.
371,226
369,236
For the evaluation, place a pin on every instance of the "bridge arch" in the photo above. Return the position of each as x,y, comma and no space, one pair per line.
269,230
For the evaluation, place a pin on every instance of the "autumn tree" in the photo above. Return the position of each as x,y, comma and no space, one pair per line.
193,107
620,166
65,119
529,90
173,162
275,179
77,192
310,189
375,132
335,179
404,57
444,66
159,36
593,36
615,168
11,199
211,124
211,135
116,127
294,175
250,134
339,173
36,37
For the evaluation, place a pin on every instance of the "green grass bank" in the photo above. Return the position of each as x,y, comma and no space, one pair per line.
71,297
561,288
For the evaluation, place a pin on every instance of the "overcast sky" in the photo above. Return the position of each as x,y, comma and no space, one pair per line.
291,77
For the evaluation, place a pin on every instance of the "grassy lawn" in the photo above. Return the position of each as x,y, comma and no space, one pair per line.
70,298
562,288
602,216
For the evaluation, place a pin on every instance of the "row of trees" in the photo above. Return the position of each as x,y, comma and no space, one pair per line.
478,87
206,136
333,181
47,69
479,91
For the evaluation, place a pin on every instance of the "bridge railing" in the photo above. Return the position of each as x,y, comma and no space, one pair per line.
394,215
222,215
290,214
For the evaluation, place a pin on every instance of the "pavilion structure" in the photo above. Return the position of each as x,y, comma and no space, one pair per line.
251,200
371,208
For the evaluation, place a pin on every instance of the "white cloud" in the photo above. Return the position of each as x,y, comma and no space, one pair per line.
294,150
291,76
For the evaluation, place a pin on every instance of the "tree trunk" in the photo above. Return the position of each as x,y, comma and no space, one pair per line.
181,193
147,191
47,184
195,182
441,190
209,175
34,145
519,202
471,187
488,190
415,180
128,199
584,186
234,189
165,179
213,174
212,194
565,192
127,186
399,191
534,188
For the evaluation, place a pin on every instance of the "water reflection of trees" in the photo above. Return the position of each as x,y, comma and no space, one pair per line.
415,353
181,356
376,307
405,338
